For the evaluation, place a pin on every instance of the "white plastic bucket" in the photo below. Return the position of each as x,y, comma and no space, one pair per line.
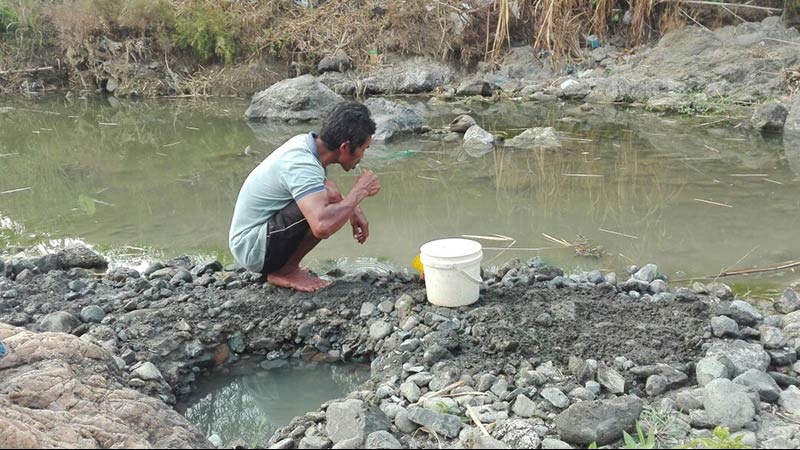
452,271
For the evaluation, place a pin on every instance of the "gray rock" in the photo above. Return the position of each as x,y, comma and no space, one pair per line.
386,307
772,338
147,372
760,382
517,433
314,442
410,345
536,139
46,263
648,273
82,257
656,385
659,287
601,421
474,87
770,118
380,330
353,419
477,136
92,313
445,424
555,397
744,356
367,310
790,400
410,391
596,277
434,354
714,367
349,443
745,313
488,442
382,439
297,99
524,407
699,419
462,123
727,404
789,302
486,381
720,290
689,400
338,62
207,266
59,322
408,76
582,394
403,424
610,379
555,444
394,119
724,327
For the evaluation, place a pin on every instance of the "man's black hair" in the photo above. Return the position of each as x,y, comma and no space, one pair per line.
349,121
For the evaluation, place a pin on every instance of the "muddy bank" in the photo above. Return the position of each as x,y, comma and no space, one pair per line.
540,356
733,70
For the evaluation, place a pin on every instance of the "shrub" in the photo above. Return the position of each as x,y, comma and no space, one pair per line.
202,27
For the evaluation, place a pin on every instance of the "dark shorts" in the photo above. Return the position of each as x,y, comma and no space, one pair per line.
286,231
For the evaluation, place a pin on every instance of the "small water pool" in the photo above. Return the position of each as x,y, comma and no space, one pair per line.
245,405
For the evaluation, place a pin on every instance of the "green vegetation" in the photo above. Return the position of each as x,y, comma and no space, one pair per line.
720,439
8,18
641,441
233,31
203,28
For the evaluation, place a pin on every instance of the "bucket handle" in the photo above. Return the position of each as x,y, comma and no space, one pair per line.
475,280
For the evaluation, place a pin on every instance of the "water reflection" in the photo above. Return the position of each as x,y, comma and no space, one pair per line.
791,148
247,406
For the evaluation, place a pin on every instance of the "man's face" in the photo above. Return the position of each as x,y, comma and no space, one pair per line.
348,160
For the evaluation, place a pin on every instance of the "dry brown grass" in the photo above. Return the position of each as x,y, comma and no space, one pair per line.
561,25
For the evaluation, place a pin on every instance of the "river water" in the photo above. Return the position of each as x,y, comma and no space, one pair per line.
157,179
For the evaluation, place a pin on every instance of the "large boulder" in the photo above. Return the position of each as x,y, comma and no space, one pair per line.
393,119
298,99
57,391
411,76
600,421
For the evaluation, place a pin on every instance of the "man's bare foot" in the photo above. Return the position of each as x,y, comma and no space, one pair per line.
297,279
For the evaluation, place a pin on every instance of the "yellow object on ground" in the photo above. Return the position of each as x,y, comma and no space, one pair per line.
417,264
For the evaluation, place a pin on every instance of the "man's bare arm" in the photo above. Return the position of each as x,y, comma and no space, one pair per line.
325,217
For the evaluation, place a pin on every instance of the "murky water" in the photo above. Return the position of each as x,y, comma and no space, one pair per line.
159,179
246,406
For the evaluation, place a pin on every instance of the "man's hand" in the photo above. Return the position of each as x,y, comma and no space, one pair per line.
360,226
368,182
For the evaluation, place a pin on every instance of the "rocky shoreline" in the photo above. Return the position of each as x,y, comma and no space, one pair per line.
544,359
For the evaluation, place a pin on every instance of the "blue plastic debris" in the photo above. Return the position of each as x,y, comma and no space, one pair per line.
3,351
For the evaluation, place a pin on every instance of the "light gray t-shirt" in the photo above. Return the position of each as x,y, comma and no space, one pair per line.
290,173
